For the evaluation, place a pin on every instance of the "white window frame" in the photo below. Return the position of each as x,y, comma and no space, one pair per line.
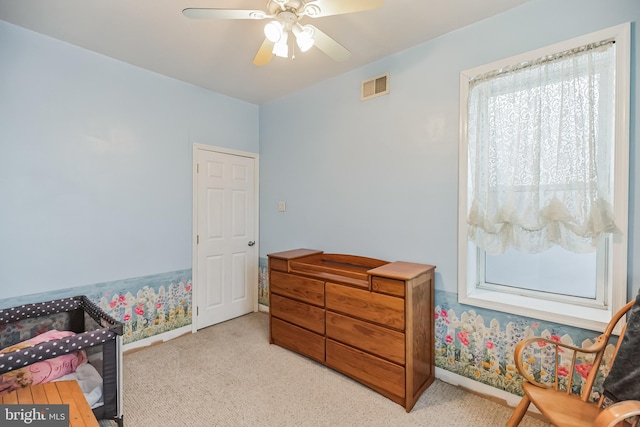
602,280
563,312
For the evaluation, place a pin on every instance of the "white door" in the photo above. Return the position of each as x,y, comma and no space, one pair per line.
226,268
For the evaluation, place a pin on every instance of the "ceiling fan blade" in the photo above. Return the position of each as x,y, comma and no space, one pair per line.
209,13
318,8
265,53
332,48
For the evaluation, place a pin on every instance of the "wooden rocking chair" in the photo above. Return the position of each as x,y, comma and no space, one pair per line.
616,414
562,407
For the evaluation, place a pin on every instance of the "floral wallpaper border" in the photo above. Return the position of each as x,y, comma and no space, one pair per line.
479,344
263,281
473,342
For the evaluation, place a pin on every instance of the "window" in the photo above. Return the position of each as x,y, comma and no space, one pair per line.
543,184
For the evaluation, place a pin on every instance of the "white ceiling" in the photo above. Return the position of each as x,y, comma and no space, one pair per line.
218,54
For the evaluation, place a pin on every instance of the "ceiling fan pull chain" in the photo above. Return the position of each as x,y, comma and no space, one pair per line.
293,51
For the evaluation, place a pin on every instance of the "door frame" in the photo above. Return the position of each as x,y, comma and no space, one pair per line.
254,275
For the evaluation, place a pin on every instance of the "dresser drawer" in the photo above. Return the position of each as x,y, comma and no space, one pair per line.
297,339
388,286
297,287
378,308
370,370
299,313
279,264
381,341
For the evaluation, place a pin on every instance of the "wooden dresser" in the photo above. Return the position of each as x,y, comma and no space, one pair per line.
370,319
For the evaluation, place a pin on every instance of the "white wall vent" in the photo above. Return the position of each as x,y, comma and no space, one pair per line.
376,86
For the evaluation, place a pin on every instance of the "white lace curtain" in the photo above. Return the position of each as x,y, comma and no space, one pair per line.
540,140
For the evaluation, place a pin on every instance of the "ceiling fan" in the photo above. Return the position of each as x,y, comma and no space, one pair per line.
284,18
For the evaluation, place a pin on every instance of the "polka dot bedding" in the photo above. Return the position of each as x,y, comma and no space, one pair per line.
46,350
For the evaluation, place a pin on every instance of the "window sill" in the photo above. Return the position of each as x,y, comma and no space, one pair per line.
595,319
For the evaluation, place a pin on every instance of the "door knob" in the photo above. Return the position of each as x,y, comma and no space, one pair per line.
251,243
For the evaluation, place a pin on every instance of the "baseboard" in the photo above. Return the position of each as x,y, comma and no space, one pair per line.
175,333
156,339
484,390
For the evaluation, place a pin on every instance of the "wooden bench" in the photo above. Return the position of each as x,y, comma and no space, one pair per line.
58,392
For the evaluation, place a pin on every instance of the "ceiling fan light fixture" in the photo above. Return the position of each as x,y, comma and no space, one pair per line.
273,31
281,48
302,31
304,37
305,44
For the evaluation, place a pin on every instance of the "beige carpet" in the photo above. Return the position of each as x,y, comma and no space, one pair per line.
229,375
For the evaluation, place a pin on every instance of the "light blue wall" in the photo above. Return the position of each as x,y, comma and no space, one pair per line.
96,164
380,178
